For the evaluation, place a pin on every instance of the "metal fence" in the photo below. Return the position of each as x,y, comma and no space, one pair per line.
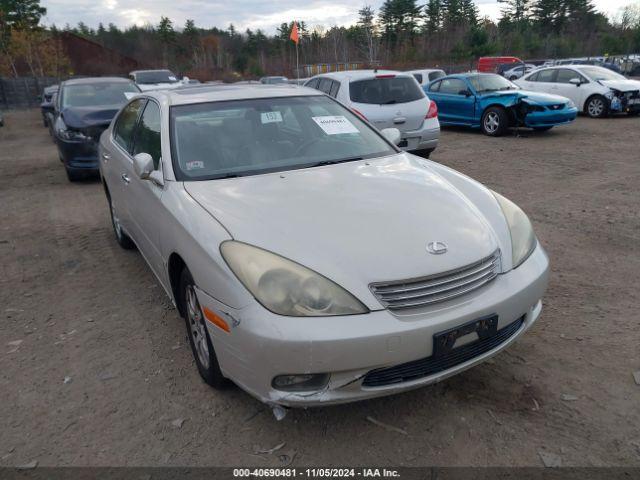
23,92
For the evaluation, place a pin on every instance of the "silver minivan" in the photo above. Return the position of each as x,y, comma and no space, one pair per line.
387,99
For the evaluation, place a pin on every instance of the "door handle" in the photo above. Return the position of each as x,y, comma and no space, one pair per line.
399,120
125,178
105,157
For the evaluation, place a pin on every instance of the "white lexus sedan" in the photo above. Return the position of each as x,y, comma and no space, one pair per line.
313,261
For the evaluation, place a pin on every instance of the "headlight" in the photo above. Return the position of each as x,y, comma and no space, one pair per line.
285,287
65,133
570,104
610,94
523,240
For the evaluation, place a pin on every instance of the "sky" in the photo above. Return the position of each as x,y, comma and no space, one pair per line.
244,14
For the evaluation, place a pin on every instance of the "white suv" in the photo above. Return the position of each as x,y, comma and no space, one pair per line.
596,91
387,99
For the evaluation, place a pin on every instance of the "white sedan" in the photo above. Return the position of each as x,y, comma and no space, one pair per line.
596,91
312,260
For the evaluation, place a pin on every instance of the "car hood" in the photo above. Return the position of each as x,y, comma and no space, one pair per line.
537,97
357,222
83,117
622,85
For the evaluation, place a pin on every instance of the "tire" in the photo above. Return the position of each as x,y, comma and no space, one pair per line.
122,238
542,129
596,107
201,346
495,121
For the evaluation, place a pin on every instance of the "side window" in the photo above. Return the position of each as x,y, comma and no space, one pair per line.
147,137
435,87
335,86
313,83
123,131
325,85
452,86
532,78
546,76
435,75
564,75
418,77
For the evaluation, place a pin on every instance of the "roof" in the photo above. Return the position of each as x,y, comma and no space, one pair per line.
360,74
216,93
150,71
425,70
92,80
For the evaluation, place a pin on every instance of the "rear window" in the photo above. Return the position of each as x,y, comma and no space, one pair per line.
384,91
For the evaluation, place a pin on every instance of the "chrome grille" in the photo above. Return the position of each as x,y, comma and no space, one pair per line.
420,292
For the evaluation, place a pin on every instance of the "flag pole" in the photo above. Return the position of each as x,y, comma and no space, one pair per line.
297,66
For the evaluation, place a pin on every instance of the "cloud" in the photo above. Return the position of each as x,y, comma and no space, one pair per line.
243,14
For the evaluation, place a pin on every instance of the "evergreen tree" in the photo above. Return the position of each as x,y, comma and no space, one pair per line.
21,14
433,14
399,18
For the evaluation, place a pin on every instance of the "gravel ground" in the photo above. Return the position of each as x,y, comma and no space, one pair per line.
95,368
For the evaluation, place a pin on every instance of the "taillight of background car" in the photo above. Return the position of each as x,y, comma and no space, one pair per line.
433,110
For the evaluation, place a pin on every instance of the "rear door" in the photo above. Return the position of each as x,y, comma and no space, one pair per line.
390,101
542,81
116,162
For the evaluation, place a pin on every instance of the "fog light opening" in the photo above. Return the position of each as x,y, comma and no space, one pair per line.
300,382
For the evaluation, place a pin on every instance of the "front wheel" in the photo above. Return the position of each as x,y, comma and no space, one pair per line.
597,107
494,121
201,345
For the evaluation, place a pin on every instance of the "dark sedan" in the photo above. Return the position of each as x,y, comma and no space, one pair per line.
84,109
47,105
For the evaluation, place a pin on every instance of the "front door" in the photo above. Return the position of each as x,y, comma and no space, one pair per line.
456,103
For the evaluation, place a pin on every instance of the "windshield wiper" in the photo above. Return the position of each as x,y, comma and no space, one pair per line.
389,102
333,162
227,175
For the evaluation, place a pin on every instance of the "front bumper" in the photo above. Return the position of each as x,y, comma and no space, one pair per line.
550,118
262,345
81,155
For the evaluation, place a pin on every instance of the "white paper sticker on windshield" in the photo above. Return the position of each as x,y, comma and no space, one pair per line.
335,125
194,165
270,117
172,78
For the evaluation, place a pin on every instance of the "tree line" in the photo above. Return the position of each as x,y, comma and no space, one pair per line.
402,33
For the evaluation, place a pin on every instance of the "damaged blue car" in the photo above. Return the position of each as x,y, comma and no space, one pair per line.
494,104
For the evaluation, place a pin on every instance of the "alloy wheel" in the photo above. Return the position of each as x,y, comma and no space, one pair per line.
196,326
491,122
596,107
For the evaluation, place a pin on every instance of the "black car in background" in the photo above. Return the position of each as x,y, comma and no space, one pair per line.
84,108
46,107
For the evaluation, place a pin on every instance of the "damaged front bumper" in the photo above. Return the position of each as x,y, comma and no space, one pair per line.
550,118
261,346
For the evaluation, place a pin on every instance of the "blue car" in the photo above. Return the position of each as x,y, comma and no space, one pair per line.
494,104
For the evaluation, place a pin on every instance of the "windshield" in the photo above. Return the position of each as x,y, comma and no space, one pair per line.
491,83
249,137
92,94
385,90
599,73
156,76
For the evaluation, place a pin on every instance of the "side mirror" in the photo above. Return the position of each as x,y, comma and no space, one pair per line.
143,165
575,81
466,93
392,134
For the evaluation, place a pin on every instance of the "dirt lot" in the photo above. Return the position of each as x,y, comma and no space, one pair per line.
75,306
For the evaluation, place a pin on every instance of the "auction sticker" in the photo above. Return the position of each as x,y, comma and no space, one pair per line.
270,117
194,165
335,125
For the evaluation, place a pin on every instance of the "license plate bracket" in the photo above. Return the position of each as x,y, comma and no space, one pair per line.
485,327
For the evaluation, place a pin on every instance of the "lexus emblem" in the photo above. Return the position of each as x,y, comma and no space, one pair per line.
436,248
